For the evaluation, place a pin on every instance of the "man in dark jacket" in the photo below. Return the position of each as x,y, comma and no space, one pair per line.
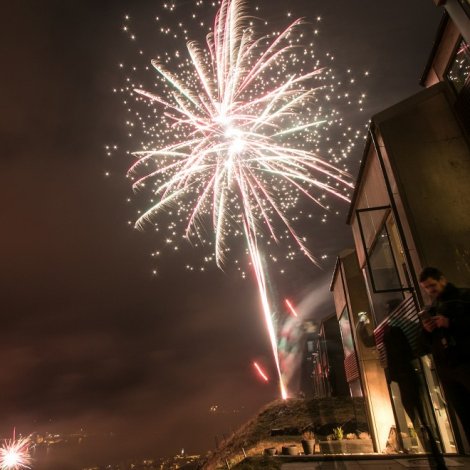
446,330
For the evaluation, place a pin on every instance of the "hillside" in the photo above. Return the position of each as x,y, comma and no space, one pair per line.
282,423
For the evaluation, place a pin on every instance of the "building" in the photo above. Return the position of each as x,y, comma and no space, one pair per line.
364,373
450,58
410,208
322,372
329,374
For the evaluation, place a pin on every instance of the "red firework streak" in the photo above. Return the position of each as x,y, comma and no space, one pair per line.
291,308
261,373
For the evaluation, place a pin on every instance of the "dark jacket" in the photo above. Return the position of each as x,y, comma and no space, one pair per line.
451,346
399,355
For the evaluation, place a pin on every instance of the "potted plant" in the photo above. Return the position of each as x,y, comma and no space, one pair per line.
338,433
334,442
308,442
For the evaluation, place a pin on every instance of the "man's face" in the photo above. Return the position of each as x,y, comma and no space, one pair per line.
434,288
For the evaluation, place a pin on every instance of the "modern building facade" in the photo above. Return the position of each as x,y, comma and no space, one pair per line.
410,209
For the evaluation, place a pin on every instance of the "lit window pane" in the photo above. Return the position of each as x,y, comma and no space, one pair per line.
459,70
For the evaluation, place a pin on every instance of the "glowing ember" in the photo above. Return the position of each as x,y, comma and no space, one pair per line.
291,308
261,372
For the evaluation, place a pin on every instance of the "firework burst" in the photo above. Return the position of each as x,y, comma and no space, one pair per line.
237,150
238,118
14,454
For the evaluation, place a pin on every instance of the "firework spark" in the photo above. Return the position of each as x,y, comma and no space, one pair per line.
234,151
261,372
14,454
291,308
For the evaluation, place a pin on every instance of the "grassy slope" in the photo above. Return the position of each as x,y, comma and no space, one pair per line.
254,436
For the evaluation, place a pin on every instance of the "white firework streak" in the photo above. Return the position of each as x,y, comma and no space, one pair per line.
14,454
235,120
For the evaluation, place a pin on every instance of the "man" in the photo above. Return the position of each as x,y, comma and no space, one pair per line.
446,330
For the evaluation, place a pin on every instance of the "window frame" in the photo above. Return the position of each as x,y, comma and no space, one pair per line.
451,61
465,4
367,252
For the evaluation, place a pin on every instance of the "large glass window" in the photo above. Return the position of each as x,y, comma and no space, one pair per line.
458,73
384,254
382,263
383,303
386,273
413,389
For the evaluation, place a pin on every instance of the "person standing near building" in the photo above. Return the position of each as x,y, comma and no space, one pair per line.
446,331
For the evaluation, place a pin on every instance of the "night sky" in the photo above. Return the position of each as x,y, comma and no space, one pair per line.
89,337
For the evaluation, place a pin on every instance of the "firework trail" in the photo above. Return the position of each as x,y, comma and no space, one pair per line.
291,308
233,152
261,372
14,454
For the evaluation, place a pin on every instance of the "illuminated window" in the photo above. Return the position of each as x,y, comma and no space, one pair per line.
458,73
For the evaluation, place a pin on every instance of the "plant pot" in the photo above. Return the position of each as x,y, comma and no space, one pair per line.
309,446
270,451
290,450
332,447
347,446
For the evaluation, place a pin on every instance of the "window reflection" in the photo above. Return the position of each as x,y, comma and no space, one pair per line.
382,263
459,69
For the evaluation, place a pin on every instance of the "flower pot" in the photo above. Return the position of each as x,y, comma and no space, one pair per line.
270,451
332,447
347,446
309,446
290,450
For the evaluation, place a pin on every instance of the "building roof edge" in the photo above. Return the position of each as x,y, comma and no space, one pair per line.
359,177
435,45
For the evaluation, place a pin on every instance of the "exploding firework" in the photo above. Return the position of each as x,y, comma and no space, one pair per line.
14,454
237,130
